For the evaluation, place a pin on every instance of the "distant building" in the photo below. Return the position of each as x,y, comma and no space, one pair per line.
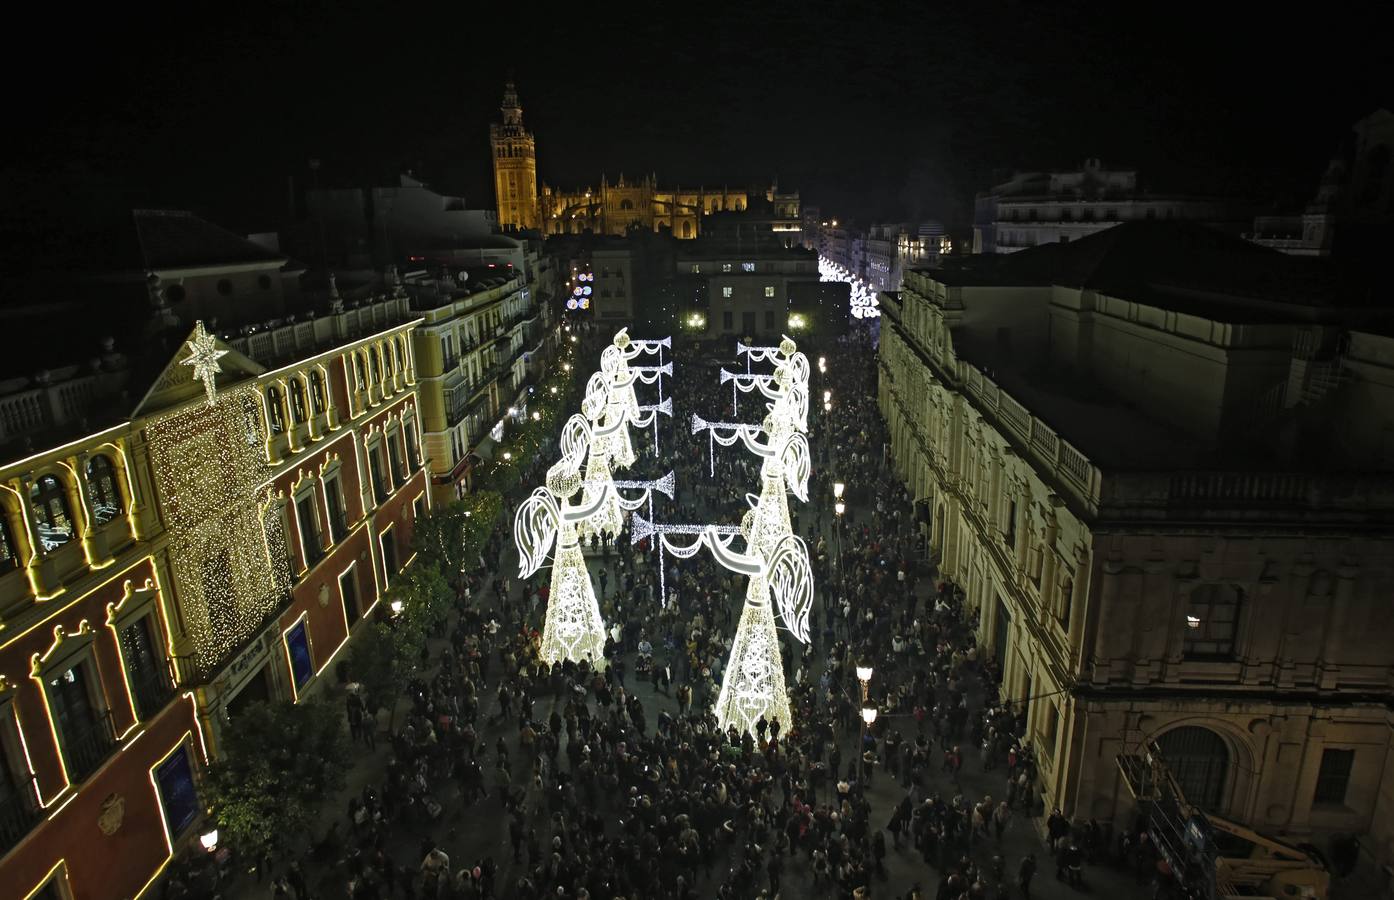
1356,193
614,208
1035,208
740,289
1157,460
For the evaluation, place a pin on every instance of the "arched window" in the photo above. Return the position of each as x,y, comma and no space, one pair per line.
1199,760
375,365
359,373
687,229
389,354
402,352
317,391
626,204
275,414
297,401
53,519
8,558
103,490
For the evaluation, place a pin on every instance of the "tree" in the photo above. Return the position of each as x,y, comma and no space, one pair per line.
277,763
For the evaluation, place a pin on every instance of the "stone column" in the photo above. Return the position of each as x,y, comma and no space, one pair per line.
1108,599
1335,632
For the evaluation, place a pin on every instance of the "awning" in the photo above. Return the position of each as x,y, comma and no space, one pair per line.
485,449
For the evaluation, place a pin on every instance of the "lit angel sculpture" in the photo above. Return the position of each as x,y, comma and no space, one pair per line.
573,628
753,686
608,426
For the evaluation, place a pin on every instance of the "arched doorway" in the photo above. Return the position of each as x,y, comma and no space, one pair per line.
1199,760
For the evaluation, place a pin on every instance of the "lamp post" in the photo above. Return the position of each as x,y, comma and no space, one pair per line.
868,711
839,508
868,717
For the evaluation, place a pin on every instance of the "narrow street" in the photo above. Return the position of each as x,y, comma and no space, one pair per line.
477,833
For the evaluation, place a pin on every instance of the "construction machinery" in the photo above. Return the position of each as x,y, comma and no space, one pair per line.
1212,858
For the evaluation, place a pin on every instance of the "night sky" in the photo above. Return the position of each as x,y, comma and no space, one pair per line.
888,112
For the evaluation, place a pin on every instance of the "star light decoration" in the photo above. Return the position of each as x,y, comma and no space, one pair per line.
204,356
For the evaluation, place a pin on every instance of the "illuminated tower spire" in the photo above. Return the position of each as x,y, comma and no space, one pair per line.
515,165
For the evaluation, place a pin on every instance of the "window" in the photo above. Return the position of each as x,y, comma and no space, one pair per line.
145,667
388,543
1199,760
103,493
726,321
175,293
317,392
1212,619
348,593
375,470
1009,535
748,322
394,456
83,726
264,282
178,796
1064,238
53,519
1111,214
19,807
334,502
1333,778
418,509
311,543
747,267
725,267
297,401
696,269
769,292
726,293
375,366
7,543
1151,213
1067,590
225,286
302,666
274,411
413,450
769,320
1066,215
360,377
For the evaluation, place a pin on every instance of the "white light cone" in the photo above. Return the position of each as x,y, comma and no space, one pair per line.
753,685
573,629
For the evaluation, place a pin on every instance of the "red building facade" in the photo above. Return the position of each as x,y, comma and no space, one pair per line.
219,547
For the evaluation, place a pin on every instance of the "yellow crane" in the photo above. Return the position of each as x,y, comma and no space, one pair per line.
1211,857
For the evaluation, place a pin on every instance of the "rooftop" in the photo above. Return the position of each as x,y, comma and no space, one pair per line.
1179,266
178,239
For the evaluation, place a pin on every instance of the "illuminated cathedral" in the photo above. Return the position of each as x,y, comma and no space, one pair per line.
610,208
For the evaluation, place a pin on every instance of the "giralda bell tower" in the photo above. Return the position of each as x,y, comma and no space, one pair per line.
515,166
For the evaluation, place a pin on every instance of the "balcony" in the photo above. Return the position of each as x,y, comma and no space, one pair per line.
152,689
85,748
17,814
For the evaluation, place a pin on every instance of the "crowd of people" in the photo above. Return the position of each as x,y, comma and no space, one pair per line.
577,781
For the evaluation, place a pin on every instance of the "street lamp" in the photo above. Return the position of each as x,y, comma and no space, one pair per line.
822,364
507,455
536,416
839,508
209,840
869,716
838,488
396,606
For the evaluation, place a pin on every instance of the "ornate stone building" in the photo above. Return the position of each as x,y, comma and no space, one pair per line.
1156,461
611,208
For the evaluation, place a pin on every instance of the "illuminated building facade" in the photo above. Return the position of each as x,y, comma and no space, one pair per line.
212,542
616,208
1172,515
